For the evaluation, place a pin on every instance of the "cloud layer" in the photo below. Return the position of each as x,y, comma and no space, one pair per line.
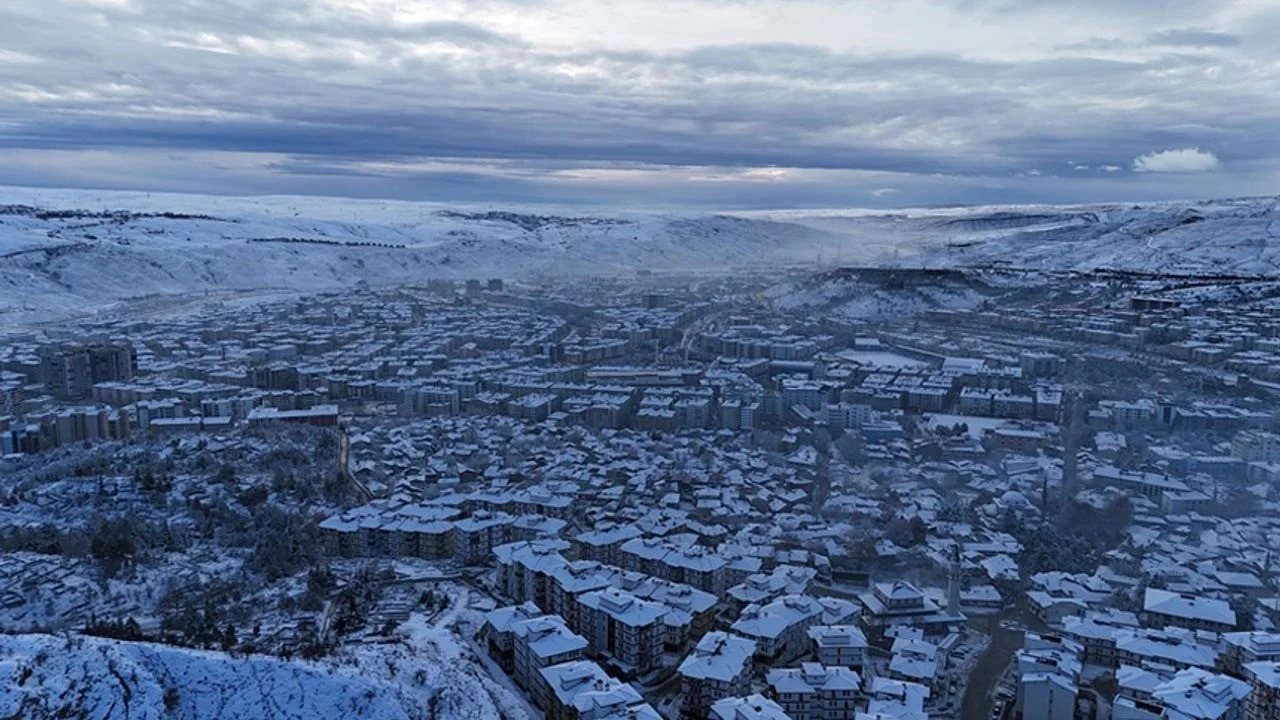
706,102
1182,160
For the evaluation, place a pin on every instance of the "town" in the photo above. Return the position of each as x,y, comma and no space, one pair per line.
979,493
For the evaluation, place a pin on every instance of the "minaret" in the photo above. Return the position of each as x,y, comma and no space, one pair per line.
953,582
1070,445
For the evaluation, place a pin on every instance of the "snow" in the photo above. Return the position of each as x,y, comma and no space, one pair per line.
427,672
52,266
47,676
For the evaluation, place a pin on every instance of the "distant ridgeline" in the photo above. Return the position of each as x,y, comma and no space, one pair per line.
120,216
530,222
321,241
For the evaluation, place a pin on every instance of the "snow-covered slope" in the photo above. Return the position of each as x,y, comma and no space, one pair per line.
847,296
60,260
118,246
44,676
1220,236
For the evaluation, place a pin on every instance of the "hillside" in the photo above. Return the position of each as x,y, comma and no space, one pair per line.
82,677
65,252
1219,236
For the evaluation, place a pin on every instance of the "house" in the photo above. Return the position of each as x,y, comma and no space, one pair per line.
1244,648
914,660
1048,696
781,627
1263,702
1196,694
498,636
1162,608
539,643
897,699
901,603
815,692
839,645
624,629
1096,632
1172,647
581,690
752,707
719,667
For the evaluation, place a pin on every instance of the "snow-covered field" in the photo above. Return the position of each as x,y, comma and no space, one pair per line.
54,264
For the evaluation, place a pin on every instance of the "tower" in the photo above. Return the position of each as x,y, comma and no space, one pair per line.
1070,445
953,582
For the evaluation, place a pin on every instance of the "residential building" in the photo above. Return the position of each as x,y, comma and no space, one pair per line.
1163,608
815,692
718,667
839,645
625,630
752,707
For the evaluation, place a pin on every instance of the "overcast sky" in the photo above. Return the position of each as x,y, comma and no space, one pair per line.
714,103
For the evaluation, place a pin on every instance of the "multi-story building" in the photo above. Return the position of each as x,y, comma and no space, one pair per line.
896,699
901,603
538,643
581,690
602,543
69,372
1263,701
1048,696
839,645
498,635
1162,608
1096,632
752,707
1196,694
689,565
780,628
1173,647
1256,446
815,692
1244,648
719,667
624,629
1049,669
474,538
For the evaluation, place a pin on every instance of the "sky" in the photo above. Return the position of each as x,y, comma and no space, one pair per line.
699,103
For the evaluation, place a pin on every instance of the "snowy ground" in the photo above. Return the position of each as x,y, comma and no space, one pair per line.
53,265
426,671
882,359
47,676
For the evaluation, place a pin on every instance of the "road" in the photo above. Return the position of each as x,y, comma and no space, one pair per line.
978,696
344,465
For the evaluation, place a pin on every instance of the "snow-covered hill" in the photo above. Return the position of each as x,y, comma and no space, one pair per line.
59,260
69,251
847,296
1220,236
43,676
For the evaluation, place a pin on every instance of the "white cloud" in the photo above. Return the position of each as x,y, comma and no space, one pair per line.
1182,160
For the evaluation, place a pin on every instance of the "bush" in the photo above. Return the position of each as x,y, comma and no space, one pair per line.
253,496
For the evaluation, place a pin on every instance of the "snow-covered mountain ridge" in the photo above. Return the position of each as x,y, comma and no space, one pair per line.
68,251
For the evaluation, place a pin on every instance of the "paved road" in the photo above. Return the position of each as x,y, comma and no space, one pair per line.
344,465
978,695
